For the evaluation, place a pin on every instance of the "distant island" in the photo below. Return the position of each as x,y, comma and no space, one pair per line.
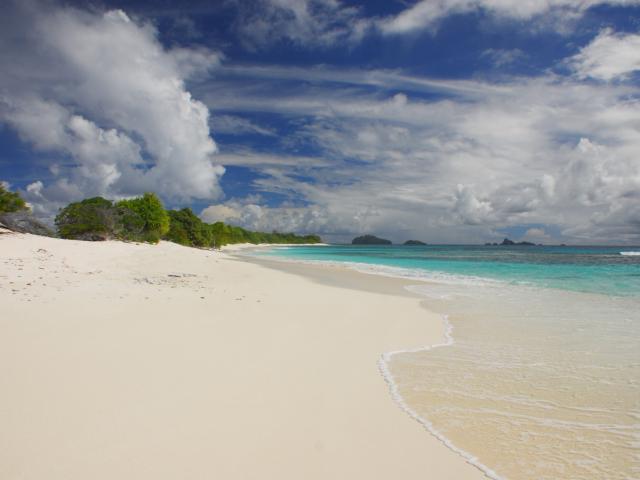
370,240
509,242
414,242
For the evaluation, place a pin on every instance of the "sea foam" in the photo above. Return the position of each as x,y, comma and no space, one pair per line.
384,367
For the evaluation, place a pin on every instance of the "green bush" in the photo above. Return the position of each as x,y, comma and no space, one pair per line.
186,228
148,213
224,234
139,219
130,225
145,219
91,219
10,201
220,233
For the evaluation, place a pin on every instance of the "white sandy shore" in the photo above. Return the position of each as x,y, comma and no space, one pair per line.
124,361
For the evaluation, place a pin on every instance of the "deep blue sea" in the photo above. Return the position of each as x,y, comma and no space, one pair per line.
605,270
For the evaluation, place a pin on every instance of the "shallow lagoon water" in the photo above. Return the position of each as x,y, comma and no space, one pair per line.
543,377
605,270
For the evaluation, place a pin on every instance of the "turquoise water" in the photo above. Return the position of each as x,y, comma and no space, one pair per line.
602,270
532,383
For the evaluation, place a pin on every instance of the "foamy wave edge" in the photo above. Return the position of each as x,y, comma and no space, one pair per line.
400,272
385,358
630,254
385,371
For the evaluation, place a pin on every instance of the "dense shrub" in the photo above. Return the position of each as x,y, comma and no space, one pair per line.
224,234
186,228
91,219
130,225
220,233
10,201
139,219
145,219
147,214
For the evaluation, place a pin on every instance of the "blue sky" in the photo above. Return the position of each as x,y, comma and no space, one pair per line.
443,120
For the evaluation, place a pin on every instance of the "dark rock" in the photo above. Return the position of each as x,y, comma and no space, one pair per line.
24,222
506,241
414,242
370,240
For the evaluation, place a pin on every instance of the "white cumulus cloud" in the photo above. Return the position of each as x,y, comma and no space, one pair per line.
100,89
609,56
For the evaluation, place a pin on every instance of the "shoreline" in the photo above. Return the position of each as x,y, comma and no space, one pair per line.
328,273
169,362
394,389
486,335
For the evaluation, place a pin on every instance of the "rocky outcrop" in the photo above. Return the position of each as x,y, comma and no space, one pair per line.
506,241
24,222
414,242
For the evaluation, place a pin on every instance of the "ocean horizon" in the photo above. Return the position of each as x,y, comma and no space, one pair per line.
610,270
538,376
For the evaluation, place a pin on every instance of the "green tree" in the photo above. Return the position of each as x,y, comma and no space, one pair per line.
10,201
223,234
220,233
145,219
148,213
91,219
186,228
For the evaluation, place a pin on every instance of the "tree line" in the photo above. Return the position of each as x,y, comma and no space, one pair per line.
144,219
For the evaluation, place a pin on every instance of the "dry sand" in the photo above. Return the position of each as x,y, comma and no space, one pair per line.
125,361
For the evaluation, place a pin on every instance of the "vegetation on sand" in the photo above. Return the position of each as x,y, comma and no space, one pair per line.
145,219
91,219
186,228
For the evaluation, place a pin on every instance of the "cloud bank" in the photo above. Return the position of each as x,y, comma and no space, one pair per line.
442,160
100,94
338,151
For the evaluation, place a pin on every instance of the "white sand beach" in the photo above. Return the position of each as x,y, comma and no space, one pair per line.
162,362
